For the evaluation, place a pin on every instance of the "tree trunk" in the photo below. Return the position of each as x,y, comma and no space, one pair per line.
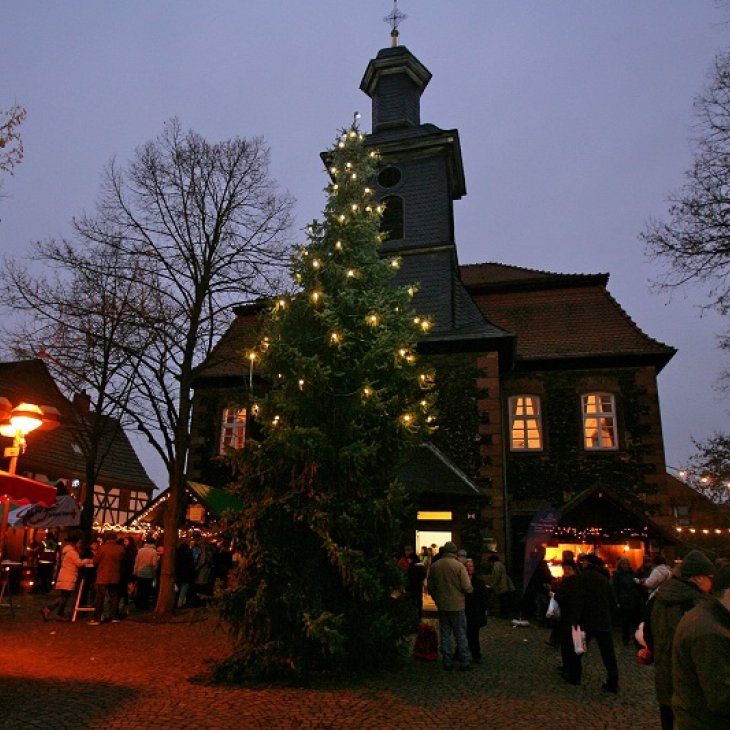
166,602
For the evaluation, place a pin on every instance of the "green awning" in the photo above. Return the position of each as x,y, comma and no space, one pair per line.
216,501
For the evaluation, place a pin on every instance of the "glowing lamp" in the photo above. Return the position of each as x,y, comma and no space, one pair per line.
25,418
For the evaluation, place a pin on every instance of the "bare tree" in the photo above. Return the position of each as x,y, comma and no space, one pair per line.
83,324
694,244
206,226
11,143
709,471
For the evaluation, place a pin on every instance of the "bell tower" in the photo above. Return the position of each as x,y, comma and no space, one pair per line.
421,171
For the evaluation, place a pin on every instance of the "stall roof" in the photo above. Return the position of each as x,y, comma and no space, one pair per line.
603,510
215,501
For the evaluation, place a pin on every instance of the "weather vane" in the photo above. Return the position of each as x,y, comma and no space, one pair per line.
394,19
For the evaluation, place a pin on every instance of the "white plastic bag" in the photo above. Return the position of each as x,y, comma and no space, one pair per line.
579,640
553,610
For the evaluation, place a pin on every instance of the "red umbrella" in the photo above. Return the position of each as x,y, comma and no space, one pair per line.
21,490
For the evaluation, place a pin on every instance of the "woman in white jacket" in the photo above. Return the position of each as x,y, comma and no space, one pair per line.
68,575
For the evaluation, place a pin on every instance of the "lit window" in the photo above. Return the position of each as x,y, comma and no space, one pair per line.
599,421
525,423
233,429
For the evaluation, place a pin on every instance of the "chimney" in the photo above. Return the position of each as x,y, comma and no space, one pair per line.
82,403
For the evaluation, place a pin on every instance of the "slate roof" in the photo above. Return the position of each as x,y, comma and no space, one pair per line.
52,453
442,297
558,316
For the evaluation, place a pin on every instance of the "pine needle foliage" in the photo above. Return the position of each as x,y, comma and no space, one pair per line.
318,590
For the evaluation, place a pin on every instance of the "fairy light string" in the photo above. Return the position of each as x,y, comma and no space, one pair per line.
340,313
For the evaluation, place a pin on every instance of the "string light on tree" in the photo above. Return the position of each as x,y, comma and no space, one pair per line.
345,406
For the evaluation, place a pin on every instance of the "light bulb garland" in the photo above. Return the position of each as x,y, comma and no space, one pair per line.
329,262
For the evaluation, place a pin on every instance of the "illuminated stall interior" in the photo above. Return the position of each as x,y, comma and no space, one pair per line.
597,521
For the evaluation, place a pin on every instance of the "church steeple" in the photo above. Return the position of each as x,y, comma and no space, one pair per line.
420,176
395,80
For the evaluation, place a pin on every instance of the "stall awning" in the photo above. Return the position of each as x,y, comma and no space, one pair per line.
216,501
21,490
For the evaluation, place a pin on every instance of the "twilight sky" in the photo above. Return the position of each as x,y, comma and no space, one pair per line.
574,116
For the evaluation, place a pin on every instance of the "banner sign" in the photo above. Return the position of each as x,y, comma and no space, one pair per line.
539,532
64,513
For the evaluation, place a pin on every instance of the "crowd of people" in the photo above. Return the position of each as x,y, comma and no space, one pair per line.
679,619
117,574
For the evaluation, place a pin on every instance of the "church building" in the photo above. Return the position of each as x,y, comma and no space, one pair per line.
547,390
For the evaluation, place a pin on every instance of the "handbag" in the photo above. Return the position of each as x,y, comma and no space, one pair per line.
553,609
579,640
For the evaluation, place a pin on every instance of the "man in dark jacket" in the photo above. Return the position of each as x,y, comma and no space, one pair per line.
701,661
567,596
592,611
682,592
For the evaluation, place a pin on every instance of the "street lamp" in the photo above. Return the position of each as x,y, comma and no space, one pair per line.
16,423
21,420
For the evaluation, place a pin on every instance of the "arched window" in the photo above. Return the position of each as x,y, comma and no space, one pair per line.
391,224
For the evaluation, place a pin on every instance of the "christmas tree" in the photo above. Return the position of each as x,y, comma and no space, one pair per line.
318,588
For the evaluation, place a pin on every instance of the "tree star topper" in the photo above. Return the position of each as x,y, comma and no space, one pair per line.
394,19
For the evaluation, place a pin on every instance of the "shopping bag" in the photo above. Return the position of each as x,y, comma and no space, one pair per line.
579,640
553,610
427,644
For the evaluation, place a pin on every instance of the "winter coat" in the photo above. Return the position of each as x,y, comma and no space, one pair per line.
145,564
130,555
415,575
184,564
499,580
626,590
475,603
701,668
68,573
567,598
448,581
661,574
594,602
673,599
108,562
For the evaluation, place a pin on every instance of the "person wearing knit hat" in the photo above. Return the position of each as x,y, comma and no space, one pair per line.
701,661
696,563
688,587
448,583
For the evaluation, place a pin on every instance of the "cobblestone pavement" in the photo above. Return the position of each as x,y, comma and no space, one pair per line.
137,674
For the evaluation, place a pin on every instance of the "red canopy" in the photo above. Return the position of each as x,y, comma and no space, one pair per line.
22,490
